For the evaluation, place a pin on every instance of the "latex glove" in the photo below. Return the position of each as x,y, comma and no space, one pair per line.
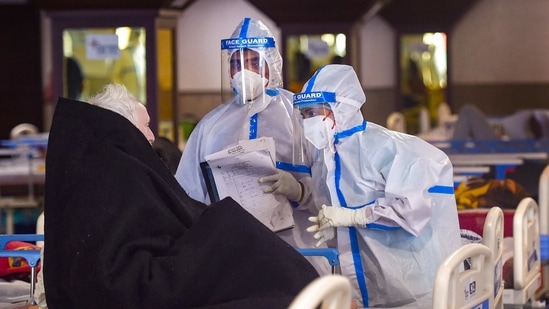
329,218
285,184
323,235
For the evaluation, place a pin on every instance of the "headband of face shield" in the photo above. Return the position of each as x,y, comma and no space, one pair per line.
317,117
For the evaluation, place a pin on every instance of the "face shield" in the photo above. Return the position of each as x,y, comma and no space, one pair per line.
245,72
317,118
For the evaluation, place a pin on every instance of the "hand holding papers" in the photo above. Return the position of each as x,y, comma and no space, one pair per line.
283,183
236,171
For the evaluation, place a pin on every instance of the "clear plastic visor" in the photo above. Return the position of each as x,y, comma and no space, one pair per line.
305,113
245,74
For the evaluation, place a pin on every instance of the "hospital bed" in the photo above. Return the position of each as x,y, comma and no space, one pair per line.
474,219
524,248
499,155
451,270
17,293
516,256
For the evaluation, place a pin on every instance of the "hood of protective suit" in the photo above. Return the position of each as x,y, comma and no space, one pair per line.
343,81
252,28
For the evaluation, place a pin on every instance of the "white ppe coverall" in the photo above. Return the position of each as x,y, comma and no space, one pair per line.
403,186
269,115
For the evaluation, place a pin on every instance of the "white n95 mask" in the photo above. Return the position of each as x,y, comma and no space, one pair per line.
249,84
319,130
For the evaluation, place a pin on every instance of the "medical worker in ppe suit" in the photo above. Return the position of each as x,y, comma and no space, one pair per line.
387,197
258,107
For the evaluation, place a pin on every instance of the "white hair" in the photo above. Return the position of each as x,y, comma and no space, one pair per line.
117,98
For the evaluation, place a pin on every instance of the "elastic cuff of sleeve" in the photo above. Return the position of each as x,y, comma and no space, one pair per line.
300,191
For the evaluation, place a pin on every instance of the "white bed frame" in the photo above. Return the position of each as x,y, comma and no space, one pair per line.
525,249
492,237
543,199
456,288
526,255
326,292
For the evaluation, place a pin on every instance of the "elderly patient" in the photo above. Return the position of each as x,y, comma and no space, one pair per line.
122,233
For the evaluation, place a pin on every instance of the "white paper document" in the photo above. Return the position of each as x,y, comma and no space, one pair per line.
236,171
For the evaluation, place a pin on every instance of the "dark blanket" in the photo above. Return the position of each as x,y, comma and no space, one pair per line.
121,232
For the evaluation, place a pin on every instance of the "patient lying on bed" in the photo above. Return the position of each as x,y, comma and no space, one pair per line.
122,233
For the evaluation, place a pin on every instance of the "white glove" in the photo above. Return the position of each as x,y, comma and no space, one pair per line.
285,184
321,235
329,218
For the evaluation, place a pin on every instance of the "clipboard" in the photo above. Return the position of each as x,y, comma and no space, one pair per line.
236,174
210,181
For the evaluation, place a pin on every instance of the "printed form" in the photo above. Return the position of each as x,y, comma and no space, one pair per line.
236,171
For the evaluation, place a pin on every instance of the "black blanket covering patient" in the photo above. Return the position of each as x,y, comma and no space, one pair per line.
122,233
